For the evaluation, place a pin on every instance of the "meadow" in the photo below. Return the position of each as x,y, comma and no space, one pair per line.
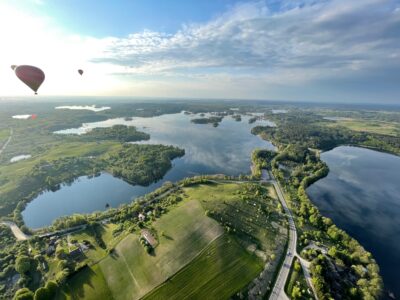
196,255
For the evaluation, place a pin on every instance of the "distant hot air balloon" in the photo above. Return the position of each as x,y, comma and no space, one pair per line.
31,76
13,67
80,71
33,116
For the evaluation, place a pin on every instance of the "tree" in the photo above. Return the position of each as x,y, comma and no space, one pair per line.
51,287
42,294
296,293
22,264
297,266
23,294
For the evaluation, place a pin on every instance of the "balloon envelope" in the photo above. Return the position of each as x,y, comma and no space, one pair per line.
80,71
31,76
13,67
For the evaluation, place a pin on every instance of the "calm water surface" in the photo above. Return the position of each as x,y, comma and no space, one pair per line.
225,149
362,196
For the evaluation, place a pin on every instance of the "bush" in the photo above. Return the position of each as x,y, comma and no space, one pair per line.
23,294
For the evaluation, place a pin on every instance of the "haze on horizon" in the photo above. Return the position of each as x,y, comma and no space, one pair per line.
308,50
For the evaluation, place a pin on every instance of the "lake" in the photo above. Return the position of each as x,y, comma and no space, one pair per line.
225,149
362,196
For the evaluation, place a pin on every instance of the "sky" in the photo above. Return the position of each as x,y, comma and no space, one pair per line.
299,50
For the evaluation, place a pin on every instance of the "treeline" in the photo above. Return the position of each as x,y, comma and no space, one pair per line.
119,133
311,131
347,271
317,137
260,159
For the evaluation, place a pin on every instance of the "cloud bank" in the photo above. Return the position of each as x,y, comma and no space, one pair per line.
296,50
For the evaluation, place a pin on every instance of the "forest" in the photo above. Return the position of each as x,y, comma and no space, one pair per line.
312,131
119,133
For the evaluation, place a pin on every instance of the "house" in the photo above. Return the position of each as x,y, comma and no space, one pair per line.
146,234
142,217
75,253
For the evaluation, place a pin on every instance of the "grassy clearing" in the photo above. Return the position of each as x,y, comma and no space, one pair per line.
248,212
131,273
88,284
373,126
222,269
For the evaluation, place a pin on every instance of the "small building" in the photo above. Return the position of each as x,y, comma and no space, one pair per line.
146,234
142,217
75,253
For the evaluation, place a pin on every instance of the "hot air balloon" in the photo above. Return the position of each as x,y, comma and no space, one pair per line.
13,67
80,72
31,76
33,116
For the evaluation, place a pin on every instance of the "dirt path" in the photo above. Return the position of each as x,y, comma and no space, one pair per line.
8,141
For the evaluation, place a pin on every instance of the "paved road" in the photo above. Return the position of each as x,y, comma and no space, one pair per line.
19,235
278,291
6,143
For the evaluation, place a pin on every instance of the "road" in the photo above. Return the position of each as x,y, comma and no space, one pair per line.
6,143
278,291
19,235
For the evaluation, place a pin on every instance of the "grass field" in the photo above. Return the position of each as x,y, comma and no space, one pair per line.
195,258
222,269
131,273
380,127
251,215
88,284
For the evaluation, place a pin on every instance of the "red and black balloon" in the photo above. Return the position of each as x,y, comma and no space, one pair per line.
30,75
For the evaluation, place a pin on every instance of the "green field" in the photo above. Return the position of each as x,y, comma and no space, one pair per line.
241,208
131,273
195,258
372,126
222,269
88,284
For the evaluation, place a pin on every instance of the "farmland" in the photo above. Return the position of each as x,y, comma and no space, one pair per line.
221,269
132,270
196,248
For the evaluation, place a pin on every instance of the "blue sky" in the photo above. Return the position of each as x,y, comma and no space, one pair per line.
120,18
315,50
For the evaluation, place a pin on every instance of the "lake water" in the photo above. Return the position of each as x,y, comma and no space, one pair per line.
362,196
225,149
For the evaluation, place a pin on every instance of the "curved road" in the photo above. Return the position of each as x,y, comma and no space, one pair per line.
278,291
